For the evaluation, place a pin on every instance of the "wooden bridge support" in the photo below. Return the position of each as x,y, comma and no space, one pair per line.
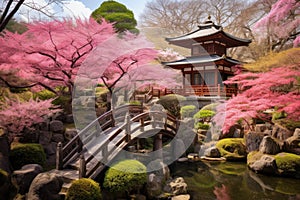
157,146
59,156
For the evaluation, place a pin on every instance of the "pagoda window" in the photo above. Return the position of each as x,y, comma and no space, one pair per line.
198,80
209,78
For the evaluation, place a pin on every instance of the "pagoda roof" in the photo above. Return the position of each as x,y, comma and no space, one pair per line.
202,60
208,32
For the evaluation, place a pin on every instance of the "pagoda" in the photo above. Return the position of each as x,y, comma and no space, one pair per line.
208,66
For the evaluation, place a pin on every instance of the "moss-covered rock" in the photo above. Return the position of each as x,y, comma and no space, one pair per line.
232,148
253,156
23,154
125,176
288,164
84,189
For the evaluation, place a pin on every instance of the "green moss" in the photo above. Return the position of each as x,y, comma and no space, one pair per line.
187,111
288,162
287,123
253,156
84,189
232,148
23,154
120,177
231,168
211,107
44,95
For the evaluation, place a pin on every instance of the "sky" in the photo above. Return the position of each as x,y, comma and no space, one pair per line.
77,8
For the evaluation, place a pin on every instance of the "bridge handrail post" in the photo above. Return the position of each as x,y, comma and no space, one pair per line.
82,166
142,124
59,156
127,127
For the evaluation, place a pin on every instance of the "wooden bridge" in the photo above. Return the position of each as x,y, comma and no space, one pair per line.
105,137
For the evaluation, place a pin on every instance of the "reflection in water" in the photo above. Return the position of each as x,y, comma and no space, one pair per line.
233,181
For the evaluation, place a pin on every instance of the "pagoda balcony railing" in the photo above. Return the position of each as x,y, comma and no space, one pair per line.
199,90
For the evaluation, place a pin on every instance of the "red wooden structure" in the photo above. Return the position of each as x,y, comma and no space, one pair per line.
209,65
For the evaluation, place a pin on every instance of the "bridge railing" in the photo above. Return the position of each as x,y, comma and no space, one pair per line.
69,152
157,119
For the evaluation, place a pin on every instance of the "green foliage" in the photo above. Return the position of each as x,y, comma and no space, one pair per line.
44,95
200,125
119,178
134,103
204,114
287,123
172,103
23,154
116,12
288,162
84,189
64,102
232,148
187,111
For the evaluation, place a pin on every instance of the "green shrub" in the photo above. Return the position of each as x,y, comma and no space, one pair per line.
187,111
232,148
200,125
44,95
84,189
172,103
23,154
204,115
125,176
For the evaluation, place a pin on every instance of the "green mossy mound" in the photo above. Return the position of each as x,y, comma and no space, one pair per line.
288,164
172,103
233,149
125,176
23,154
253,156
84,189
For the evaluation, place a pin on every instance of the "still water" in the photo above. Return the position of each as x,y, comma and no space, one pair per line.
233,181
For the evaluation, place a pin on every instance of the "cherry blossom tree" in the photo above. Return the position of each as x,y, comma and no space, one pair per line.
49,54
16,115
284,15
274,89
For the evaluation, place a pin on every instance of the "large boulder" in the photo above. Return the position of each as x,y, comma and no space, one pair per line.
288,164
232,148
212,152
280,132
269,145
292,144
253,140
176,186
266,165
22,178
45,186
56,126
154,186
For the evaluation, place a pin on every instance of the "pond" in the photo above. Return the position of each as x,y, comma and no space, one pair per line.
233,181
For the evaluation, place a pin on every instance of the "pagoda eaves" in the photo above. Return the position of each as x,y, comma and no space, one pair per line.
208,32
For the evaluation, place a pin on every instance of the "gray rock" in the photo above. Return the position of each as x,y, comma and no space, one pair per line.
45,137
176,186
292,143
22,178
160,169
45,186
266,165
253,140
212,152
50,149
154,186
58,138
56,126
260,128
69,119
280,132
268,145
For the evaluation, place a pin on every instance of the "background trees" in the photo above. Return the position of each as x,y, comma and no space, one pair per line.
118,13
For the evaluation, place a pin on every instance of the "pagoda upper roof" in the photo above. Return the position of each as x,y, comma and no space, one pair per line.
208,32
203,60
